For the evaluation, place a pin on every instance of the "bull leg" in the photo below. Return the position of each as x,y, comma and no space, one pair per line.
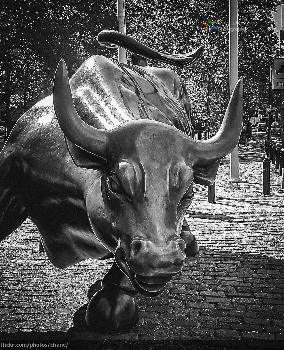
12,210
191,244
113,309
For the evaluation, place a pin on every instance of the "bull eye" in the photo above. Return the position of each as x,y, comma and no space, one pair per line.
115,185
187,197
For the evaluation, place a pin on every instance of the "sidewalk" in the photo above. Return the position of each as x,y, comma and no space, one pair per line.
231,295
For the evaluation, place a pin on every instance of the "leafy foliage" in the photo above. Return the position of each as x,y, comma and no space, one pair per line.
36,34
258,43
177,26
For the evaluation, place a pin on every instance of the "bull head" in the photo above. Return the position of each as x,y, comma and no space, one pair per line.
148,169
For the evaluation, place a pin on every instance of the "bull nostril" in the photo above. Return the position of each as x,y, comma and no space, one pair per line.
179,261
135,248
181,244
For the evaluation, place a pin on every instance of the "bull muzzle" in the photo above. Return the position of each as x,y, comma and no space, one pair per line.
149,266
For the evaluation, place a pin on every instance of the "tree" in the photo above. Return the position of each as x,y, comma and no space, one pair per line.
177,26
258,43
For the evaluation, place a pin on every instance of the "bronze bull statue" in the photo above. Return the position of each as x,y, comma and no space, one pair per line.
105,167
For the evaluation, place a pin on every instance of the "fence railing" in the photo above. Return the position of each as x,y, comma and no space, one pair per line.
274,154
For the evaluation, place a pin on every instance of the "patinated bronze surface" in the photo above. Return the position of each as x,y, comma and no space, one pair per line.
106,165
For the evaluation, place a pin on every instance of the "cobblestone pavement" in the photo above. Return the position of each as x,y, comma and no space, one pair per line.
230,296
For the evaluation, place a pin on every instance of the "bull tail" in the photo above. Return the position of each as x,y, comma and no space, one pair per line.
12,210
112,37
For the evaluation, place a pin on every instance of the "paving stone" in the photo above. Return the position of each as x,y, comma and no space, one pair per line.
202,334
273,329
255,321
201,305
227,334
279,336
257,335
224,322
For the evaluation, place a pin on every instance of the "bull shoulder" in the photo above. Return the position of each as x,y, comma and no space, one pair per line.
168,77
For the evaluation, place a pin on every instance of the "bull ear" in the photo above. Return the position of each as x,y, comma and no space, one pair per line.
83,158
206,174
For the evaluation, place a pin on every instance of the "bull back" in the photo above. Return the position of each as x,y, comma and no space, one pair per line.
107,95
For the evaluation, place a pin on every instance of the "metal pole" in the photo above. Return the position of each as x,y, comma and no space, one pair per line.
266,176
212,193
233,75
121,28
282,116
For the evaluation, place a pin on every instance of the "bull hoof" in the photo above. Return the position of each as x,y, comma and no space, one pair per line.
191,244
111,310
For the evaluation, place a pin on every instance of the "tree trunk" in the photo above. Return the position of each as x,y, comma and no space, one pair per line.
7,101
208,97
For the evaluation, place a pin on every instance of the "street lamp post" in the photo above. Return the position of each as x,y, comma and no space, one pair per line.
233,75
121,28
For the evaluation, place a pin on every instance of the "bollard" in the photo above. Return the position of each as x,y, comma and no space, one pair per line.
273,148
270,149
278,167
211,193
266,176
267,148
277,157
269,133
281,163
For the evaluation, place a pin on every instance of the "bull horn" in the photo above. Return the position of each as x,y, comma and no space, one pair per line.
74,128
227,137
106,37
